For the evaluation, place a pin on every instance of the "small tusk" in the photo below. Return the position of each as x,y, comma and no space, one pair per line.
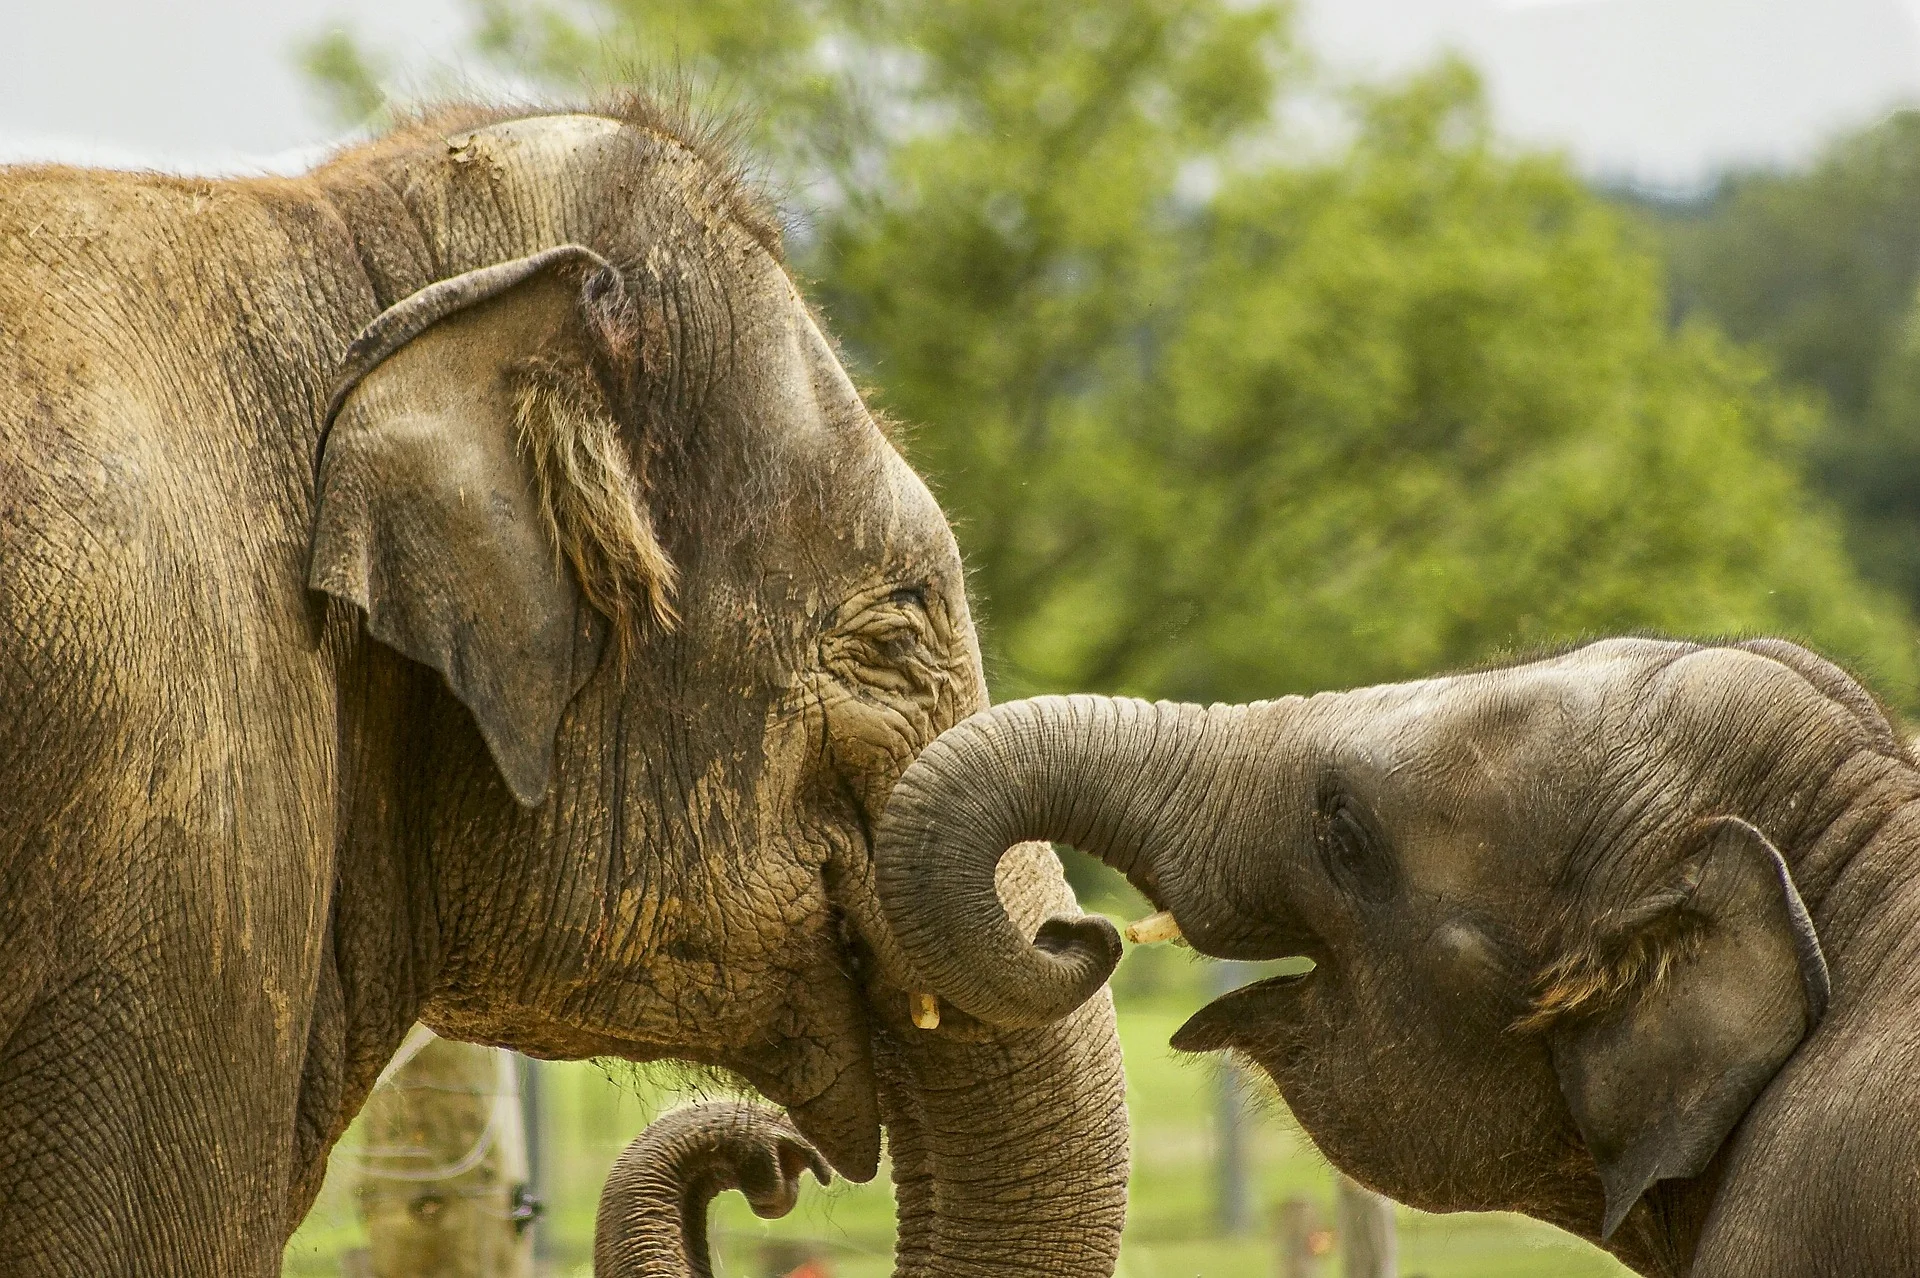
926,1011
1154,928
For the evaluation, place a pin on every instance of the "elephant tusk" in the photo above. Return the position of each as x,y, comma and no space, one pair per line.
1154,928
926,1011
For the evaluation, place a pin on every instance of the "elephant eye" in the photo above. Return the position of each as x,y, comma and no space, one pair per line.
1353,850
905,596
886,645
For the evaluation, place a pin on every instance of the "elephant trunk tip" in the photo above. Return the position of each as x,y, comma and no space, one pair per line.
652,1217
1054,768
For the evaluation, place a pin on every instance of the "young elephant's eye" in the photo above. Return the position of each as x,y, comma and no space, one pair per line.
916,596
1353,850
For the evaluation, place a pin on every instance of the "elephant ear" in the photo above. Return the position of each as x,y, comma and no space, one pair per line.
475,494
1682,1011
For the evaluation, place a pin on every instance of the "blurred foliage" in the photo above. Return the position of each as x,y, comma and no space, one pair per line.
1223,405
1818,268
347,75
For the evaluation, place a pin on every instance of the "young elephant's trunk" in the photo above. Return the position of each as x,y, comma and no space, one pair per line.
1117,778
653,1211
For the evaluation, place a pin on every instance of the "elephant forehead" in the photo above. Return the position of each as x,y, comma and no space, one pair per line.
588,153
1463,731
1506,717
1464,774
804,401
852,484
914,522
800,409
1738,690
831,385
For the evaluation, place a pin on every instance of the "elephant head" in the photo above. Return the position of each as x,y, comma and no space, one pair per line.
660,615
1566,920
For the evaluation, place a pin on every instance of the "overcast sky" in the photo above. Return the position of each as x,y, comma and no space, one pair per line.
1657,90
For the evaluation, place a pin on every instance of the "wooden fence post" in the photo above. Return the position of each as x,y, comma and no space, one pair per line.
444,1165
1364,1221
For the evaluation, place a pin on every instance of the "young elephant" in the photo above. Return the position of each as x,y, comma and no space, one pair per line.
1628,939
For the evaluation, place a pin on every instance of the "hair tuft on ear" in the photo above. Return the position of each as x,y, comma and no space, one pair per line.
617,326
1633,953
592,495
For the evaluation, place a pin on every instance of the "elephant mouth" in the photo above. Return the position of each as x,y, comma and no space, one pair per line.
1245,932
1244,1018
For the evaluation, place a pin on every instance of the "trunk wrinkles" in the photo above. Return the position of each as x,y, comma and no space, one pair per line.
652,1221
1111,776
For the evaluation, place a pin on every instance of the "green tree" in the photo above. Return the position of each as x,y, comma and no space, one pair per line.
1427,408
1224,405
1818,268
1009,278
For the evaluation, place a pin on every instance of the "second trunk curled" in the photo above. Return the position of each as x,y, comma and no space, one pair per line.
1111,776
653,1211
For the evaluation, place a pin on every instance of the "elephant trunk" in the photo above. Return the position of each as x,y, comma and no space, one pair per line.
1009,1147
1009,1159
1015,1157
653,1211
1118,778
912,1164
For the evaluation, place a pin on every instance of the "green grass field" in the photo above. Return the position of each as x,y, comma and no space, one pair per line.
593,1112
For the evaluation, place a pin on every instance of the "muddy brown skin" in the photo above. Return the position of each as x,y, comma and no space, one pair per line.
550,702
1628,939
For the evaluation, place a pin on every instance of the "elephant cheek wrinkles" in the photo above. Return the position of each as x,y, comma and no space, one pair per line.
613,868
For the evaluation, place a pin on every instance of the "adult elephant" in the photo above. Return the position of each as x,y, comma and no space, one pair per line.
1628,939
532,664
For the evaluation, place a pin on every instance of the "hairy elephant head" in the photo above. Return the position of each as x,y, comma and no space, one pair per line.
608,479
1554,912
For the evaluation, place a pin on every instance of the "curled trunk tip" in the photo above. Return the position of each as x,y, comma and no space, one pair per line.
653,1211
1099,773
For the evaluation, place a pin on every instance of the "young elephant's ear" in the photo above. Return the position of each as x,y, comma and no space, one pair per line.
1689,1003
471,481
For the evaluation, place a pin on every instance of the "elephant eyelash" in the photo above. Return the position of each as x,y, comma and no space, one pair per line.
914,595
885,638
884,650
1344,840
1351,847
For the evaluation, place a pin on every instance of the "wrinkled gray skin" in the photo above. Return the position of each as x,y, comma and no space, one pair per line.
652,1221
304,743
1628,940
